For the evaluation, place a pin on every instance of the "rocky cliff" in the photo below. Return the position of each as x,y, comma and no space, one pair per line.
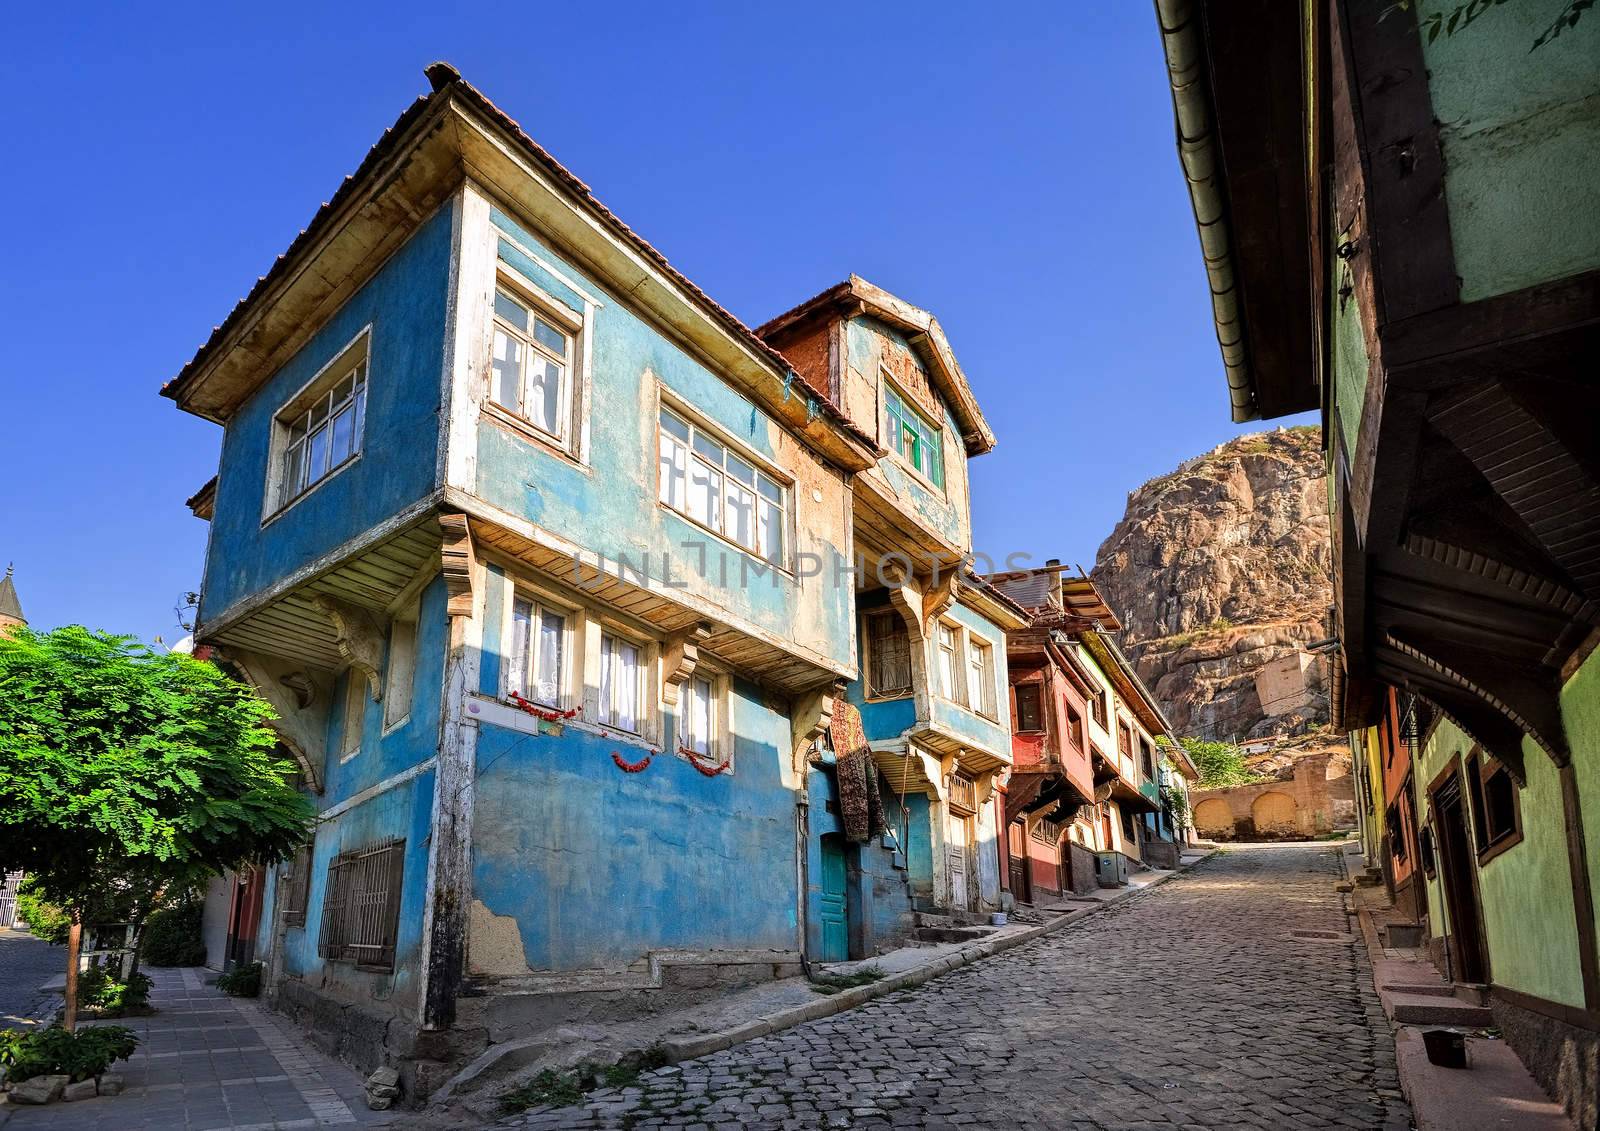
1220,575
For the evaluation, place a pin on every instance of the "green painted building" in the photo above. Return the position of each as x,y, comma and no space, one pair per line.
1399,210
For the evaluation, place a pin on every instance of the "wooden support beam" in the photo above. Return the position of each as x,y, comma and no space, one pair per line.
359,639
680,654
292,695
457,559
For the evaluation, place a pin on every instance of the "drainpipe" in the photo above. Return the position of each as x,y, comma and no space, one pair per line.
802,869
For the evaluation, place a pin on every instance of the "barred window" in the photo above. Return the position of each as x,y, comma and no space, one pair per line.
361,907
1047,831
297,887
888,655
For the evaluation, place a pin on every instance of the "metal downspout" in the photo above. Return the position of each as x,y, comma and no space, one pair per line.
1183,41
802,867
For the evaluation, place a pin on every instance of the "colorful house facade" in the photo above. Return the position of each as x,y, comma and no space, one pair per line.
622,654
1398,214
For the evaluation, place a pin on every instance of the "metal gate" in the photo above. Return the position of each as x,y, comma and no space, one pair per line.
8,898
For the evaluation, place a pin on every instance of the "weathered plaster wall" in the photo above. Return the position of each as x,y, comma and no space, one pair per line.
402,811
883,895
610,505
972,728
1526,891
405,305
1520,129
1349,362
869,343
598,866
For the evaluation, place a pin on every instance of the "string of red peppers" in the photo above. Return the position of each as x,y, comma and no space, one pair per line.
709,769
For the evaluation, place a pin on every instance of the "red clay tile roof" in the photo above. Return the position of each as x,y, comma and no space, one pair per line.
446,80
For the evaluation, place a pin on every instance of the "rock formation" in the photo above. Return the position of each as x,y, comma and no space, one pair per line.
1220,575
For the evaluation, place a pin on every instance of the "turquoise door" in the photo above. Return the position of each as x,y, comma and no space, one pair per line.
835,933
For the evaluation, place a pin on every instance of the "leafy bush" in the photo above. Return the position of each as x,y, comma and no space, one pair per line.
242,981
172,935
26,1053
45,920
99,991
1220,764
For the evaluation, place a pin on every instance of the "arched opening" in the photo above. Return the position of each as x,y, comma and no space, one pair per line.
1273,812
1213,816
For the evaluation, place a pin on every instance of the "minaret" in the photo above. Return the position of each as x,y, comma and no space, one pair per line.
10,607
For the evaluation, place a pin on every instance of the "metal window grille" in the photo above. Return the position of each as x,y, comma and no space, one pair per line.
297,887
888,654
361,907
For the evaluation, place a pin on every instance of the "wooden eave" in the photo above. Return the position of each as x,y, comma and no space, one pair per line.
856,296
202,504
1128,685
456,133
1000,610
1248,139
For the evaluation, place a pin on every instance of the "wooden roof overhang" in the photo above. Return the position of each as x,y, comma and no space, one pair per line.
1249,140
1049,793
766,658
884,532
1467,547
856,296
376,573
443,139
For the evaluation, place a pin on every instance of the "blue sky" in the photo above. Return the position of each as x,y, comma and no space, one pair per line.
1016,177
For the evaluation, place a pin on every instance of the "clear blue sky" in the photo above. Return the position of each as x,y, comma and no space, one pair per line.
1015,176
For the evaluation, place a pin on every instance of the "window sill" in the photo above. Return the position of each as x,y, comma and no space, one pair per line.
520,428
268,520
1509,840
890,697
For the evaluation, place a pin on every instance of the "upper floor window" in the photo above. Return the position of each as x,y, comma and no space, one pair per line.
1097,706
952,676
699,715
1148,757
621,680
538,641
319,430
531,368
913,437
888,655
1496,808
1075,727
1029,715
706,481
1125,741
980,664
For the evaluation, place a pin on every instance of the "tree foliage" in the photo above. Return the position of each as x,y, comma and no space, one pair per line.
1220,764
114,757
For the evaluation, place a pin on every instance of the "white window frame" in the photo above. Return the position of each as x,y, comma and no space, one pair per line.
608,714
982,696
560,317
352,727
517,674
762,474
400,669
353,359
952,681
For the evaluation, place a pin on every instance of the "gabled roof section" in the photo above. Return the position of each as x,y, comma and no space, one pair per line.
1069,600
415,166
857,296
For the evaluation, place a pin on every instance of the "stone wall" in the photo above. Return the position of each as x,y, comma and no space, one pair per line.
1307,804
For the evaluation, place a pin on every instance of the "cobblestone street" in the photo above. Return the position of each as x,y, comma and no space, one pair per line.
1193,1005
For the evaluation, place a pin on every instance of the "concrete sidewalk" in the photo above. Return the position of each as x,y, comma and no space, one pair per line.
210,1061
1495,1090
732,1019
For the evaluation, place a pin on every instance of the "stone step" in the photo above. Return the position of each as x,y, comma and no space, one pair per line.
1431,1009
952,934
951,917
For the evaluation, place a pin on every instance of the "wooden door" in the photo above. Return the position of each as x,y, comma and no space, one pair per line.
835,911
1456,875
1017,862
244,916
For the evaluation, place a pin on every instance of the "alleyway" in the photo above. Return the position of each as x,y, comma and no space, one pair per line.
1195,1005
26,963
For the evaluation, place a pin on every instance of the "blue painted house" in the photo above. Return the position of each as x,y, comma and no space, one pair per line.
544,560
931,638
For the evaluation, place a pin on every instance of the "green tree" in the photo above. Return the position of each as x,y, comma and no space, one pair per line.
1219,764
125,771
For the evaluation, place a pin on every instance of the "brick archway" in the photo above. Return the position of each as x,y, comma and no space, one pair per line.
1213,816
1273,812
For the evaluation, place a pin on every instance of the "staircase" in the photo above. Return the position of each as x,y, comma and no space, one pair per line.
933,926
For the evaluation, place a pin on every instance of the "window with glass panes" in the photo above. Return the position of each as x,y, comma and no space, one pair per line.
980,663
697,716
914,437
538,641
952,674
529,373
707,482
621,675
1029,715
888,655
324,435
